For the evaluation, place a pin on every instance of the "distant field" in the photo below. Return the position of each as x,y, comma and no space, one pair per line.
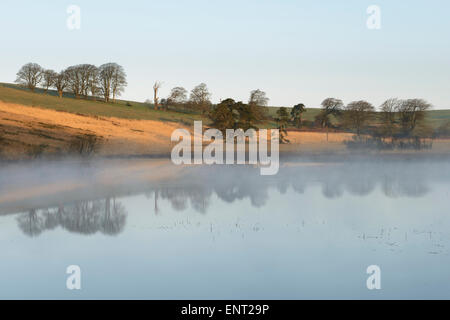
15,94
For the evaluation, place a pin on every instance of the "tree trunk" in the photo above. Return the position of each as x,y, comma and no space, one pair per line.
155,99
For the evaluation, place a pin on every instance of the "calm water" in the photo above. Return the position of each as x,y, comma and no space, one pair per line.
146,229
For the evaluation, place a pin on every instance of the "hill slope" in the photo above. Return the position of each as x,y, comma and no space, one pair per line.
140,111
12,93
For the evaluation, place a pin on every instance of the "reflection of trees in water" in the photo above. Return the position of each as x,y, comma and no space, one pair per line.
394,187
201,200
235,183
257,194
180,197
114,218
197,191
332,189
240,182
361,187
31,224
362,180
86,217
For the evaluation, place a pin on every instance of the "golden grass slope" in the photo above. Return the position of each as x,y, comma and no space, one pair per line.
23,127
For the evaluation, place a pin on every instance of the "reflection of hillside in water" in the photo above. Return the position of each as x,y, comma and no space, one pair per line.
85,217
198,185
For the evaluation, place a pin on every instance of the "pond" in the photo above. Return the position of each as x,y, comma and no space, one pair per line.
147,229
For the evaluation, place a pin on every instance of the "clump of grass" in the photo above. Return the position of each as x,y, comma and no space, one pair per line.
84,145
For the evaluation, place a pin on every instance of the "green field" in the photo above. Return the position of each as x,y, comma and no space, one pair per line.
137,110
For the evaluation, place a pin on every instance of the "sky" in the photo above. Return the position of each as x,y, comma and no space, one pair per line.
296,51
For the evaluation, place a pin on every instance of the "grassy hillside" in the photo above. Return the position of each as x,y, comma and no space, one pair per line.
121,109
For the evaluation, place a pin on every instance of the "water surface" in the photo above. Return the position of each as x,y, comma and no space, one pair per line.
142,229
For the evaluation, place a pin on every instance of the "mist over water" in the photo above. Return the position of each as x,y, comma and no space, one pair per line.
150,229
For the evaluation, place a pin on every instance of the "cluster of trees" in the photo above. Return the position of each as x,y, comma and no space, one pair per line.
398,119
404,117
229,114
83,80
198,100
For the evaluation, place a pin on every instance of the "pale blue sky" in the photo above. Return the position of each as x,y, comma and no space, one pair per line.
296,51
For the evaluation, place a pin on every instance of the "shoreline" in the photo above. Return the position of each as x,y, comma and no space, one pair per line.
28,133
300,157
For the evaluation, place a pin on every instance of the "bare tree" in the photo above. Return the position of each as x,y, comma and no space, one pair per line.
60,82
48,78
30,75
156,88
112,80
258,98
83,69
86,72
200,98
388,112
82,78
119,82
257,101
330,106
357,113
94,81
178,96
412,111
106,72
74,80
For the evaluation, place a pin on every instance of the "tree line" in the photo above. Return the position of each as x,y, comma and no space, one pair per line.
397,119
399,123
229,114
199,99
83,80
